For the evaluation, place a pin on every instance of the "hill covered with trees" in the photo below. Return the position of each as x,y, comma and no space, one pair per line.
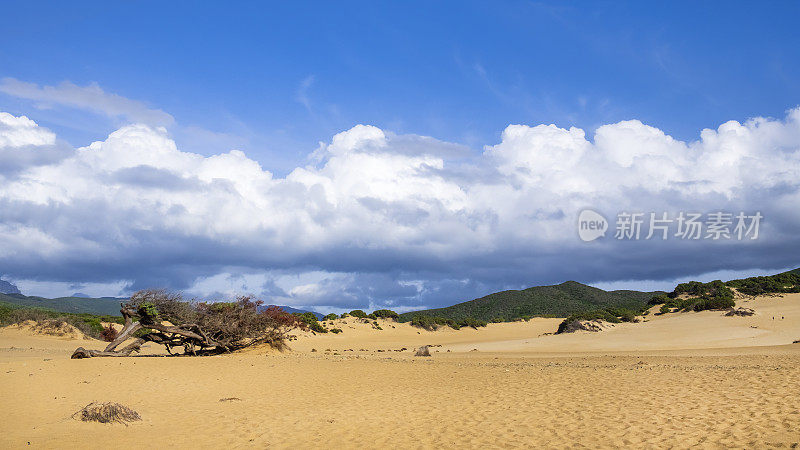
74,305
559,300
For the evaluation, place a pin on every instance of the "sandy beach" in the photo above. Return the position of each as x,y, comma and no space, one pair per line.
677,380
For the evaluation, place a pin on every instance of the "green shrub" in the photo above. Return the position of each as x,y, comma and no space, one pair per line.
358,313
658,299
317,327
386,314
336,330
430,323
713,303
331,316
692,288
470,322
149,313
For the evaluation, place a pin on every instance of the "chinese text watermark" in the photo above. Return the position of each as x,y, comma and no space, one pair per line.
684,225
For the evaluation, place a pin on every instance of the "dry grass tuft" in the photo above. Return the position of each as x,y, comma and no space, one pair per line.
109,412
230,399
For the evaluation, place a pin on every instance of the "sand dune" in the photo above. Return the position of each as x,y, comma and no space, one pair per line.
676,331
681,380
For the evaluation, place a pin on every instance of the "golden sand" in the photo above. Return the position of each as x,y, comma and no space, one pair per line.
678,380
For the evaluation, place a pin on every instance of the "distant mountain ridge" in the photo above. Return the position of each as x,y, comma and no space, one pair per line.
291,310
8,288
558,300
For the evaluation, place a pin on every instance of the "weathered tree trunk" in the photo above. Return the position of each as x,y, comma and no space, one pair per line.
134,346
189,336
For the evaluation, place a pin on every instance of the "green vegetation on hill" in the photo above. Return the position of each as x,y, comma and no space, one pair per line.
544,301
782,283
718,295
89,324
701,297
75,305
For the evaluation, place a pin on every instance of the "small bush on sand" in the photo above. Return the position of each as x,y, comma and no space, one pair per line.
311,322
358,313
331,316
423,351
107,413
317,327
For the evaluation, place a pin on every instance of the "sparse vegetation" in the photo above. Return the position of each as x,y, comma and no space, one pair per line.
331,316
358,313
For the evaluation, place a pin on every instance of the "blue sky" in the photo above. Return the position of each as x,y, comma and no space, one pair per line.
441,81
280,77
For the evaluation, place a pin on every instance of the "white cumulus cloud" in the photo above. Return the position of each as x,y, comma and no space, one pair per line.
21,131
397,213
